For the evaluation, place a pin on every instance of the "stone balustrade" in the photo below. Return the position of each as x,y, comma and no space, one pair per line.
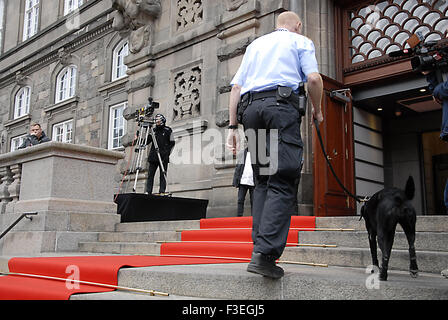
70,186
57,172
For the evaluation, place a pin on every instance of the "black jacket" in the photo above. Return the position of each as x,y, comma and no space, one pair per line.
32,140
165,141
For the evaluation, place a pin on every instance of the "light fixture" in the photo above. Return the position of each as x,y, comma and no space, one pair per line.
423,90
379,109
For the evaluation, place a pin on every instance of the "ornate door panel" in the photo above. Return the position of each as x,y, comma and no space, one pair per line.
337,135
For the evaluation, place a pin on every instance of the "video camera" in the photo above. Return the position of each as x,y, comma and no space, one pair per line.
146,112
428,56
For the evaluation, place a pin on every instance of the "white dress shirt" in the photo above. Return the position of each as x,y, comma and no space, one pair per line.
279,58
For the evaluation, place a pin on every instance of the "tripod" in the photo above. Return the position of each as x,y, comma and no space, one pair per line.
146,130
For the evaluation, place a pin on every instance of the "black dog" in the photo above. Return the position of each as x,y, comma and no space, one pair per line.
382,212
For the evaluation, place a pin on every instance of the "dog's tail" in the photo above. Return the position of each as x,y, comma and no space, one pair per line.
410,188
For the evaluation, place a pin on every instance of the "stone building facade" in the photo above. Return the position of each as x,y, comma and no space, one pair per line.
58,67
81,69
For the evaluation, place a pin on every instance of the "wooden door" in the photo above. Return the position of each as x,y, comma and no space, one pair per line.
337,135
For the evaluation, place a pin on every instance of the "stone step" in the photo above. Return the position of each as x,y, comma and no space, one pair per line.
232,281
158,226
152,236
124,295
432,241
120,247
424,223
428,261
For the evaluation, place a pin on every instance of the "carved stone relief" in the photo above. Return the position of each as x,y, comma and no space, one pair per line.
187,93
189,13
233,5
133,17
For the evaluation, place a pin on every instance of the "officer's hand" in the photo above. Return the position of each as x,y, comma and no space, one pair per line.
233,141
318,115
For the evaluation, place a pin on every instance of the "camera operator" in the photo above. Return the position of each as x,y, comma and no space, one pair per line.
165,142
440,95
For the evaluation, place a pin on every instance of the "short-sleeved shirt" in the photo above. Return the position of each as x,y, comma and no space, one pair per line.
280,58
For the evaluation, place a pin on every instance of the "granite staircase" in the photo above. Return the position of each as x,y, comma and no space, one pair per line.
347,275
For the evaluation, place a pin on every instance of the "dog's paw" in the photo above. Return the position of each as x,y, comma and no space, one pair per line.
413,273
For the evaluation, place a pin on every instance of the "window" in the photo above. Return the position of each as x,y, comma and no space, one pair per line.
16,142
31,18
66,84
117,125
119,68
63,132
22,102
71,5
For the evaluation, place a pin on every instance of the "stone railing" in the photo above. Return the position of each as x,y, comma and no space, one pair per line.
71,187
57,176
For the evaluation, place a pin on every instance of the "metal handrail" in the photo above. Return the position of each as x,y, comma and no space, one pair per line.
23,215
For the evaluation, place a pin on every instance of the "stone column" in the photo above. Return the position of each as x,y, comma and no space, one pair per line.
14,186
5,180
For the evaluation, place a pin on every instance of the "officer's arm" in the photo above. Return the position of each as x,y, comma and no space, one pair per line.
315,90
233,103
233,137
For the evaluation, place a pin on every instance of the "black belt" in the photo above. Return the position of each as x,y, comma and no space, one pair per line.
294,99
257,95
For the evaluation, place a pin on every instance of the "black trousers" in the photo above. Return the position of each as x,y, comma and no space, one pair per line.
242,192
276,180
151,172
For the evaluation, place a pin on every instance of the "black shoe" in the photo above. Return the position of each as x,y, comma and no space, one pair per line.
264,265
444,137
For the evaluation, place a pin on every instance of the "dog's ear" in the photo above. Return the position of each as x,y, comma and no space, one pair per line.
410,188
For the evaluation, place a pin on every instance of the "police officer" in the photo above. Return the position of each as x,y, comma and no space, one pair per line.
265,87
165,142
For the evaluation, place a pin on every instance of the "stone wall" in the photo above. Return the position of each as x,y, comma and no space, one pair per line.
182,53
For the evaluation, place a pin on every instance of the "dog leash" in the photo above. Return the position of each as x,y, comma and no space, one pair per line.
319,135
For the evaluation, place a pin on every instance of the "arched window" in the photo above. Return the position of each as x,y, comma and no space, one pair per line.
22,102
118,66
66,83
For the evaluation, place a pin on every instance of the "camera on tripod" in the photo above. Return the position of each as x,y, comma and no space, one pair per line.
145,113
426,56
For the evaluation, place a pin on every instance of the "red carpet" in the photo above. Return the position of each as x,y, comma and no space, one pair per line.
100,269
228,234
218,239
246,222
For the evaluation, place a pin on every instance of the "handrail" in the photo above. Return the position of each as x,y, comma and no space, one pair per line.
23,215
